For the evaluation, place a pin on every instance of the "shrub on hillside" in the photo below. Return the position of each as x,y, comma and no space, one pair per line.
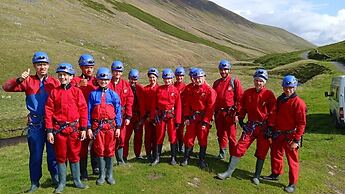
303,72
271,61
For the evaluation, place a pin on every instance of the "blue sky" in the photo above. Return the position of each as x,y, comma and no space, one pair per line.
319,22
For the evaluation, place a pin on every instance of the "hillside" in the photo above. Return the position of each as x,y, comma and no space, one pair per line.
187,32
207,19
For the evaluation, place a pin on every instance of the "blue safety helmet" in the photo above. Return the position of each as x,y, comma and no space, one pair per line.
117,66
86,60
191,71
153,71
289,81
167,74
224,64
40,57
198,73
65,67
262,73
133,74
103,73
179,71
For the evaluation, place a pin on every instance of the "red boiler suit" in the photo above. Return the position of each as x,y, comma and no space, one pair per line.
66,105
290,125
146,105
166,112
226,108
135,124
260,109
104,107
199,110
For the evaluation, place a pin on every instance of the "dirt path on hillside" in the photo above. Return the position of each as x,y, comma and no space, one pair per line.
340,66
12,141
304,55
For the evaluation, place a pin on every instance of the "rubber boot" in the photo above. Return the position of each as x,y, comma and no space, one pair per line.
83,170
149,158
62,177
101,176
258,169
173,148
55,178
231,168
158,154
75,169
186,156
202,156
193,154
109,170
221,154
180,147
119,157
290,188
34,186
272,177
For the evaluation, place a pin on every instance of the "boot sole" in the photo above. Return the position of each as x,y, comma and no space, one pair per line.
222,178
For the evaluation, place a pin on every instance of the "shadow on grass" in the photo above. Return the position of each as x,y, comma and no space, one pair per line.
322,124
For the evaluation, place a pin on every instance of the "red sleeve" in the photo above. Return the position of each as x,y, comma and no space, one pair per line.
210,105
186,103
272,109
12,85
242,107
239,93
301,118
130,100
49,111
178,108
83,111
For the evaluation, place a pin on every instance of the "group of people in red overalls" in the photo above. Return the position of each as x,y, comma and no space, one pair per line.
98,114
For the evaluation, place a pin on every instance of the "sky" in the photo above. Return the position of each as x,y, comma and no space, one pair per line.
321,22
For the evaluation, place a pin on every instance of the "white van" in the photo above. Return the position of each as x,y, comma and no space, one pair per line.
336,100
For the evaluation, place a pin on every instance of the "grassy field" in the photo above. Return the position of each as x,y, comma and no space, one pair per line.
322,155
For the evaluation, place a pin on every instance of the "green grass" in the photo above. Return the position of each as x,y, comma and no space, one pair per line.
96,6
167,28
271,61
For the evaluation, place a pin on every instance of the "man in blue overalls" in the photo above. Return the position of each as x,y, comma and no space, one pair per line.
36,87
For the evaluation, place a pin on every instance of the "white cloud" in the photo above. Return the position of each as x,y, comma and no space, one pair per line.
297,16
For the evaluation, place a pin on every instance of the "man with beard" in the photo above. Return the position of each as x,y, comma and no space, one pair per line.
229,92
87,83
